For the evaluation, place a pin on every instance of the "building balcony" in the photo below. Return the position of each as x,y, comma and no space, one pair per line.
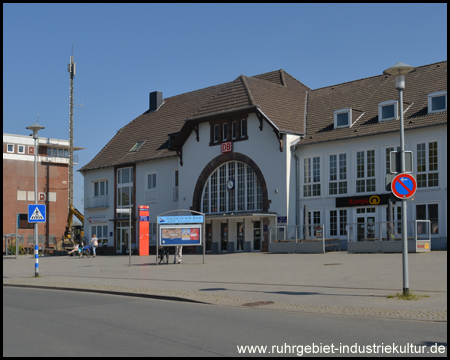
97,202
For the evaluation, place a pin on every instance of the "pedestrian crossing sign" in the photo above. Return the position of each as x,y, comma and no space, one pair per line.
36,213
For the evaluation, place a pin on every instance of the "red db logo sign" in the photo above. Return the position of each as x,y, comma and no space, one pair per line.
226,147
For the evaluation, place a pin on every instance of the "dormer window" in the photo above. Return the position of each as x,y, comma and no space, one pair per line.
137,146
342,118
225,132
387,110
437,102
216,133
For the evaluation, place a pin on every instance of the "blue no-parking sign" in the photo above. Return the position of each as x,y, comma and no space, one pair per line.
404,186
36,213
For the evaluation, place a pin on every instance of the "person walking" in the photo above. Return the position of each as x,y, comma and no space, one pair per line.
178,254
94,243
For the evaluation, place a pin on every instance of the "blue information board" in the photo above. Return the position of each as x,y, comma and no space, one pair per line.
191,219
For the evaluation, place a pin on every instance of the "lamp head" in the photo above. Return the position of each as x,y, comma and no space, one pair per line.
35,128
399,70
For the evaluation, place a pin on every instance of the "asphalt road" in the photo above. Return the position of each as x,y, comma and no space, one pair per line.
64,323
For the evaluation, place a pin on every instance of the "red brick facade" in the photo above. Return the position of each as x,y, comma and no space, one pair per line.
18,181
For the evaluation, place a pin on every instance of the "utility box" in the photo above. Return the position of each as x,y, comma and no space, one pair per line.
144,225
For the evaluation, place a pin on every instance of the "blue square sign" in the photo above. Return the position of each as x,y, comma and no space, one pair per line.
36,213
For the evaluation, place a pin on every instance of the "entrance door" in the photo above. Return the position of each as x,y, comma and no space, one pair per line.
224,237
208,237
240,236
365,228
257,235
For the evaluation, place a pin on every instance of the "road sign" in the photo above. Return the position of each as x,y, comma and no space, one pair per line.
395,162
404,186
36,213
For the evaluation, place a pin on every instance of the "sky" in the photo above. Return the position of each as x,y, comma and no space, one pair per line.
125,51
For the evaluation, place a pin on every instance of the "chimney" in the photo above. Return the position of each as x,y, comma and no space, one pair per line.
156,100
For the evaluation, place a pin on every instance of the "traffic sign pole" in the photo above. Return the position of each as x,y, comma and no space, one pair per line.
404,216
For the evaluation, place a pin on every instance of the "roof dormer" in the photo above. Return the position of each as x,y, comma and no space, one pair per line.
387,110
342,118
437,102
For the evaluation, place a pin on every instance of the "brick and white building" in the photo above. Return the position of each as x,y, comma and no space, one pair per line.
18,185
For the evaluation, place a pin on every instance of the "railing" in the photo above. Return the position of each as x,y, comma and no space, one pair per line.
44,243
296,233
97,202
387,231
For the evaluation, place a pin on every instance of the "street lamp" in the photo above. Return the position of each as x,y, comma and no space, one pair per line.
35,128
127,211
399,70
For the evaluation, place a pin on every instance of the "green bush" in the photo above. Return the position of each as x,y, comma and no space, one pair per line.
12,249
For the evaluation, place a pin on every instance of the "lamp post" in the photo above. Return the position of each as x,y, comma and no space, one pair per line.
399,70
35,128
127,211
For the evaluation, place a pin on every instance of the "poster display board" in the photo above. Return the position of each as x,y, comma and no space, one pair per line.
185,230
185,235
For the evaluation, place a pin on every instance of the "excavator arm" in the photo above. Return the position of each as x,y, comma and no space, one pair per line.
73,211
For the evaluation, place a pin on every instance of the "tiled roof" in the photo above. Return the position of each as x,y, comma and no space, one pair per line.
282,99
365,95
266,91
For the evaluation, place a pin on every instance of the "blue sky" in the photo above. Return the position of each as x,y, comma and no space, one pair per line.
125,51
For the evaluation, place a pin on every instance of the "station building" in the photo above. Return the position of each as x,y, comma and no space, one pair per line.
266,151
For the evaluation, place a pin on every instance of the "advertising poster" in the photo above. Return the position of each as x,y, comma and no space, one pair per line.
180,235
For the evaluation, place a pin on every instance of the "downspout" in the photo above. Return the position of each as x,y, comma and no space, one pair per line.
297,189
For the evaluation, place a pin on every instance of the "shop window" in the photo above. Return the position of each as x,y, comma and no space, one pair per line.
429,212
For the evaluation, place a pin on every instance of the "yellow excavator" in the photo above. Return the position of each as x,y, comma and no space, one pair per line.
74,232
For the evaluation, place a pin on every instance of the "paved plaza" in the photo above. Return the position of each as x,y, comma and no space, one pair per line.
333,283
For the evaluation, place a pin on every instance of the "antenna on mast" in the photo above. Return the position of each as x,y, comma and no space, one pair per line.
71,70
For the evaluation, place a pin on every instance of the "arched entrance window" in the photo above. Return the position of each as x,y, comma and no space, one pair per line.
232,187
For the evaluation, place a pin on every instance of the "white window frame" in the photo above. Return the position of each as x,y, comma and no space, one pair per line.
216,134
245,196
120,185
151,190
340,227
338,173
225,131
244,129
102,239
430,102
343,111
233,130
98,182
384,104
310,181
19,147
7,148
366,169
427,171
